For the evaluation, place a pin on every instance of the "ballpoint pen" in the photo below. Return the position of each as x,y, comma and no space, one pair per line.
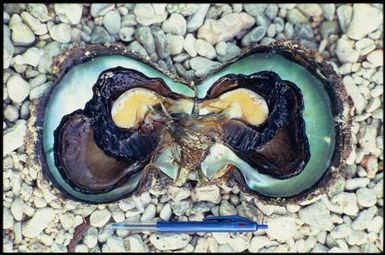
211,223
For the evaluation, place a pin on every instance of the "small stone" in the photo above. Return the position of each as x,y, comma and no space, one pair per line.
112,22
365,216
126,34
294,16
38,223
50,50
129,20
135,243
341,231
144,35
17,208
36,26
209,193
370,248
11,113
344,14
181,58
270,32
289,30
345,52
259,242
178,194
205,49
239,243
60,33
366,197
137,48
91,238
377,91
354,93
81,248
189,45
8,48
328,11
149,213
22,34
18,88
255,9
202,245
32,56
146,198
310,10
99,218
353,184
183,9
166,242
39,91
39,11
360,25
327,28
281,228
254,35
39,202
100,35
100,9
365,46
175,25
69,13
225,28
162,43
221,48
13,138
147,14
271,11
376,224
303,31
227,209
180,207
376,58
176,43
115,244
347,203
225,248
317,216
196,20
7,218
165,213
67,220
221,237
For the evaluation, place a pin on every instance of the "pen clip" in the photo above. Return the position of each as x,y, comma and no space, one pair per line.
230,218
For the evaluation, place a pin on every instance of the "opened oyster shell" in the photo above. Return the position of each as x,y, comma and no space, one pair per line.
275,120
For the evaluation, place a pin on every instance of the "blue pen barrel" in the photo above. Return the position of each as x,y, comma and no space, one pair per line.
172,226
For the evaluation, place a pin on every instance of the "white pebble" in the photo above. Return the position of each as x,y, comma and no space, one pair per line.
99,218
366,197
39,222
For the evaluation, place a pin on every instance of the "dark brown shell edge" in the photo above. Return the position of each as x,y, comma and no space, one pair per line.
61,65
341,108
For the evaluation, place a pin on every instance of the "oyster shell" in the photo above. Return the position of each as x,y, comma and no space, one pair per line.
289,147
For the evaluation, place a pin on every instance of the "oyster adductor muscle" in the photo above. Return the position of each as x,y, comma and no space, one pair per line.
279,146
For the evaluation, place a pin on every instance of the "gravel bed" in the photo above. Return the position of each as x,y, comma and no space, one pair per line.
191,39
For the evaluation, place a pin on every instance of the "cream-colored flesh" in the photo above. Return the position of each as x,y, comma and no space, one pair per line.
133,105
238,104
